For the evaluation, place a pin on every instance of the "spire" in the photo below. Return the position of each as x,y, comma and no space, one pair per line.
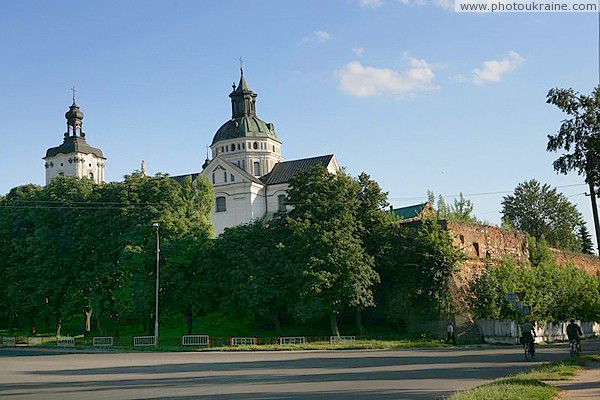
242,98
207,161
243,86
73,90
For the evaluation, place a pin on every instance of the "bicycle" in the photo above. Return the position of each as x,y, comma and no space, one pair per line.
574,348
528,347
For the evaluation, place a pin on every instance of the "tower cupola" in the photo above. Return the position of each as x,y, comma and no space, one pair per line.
243,100
74,119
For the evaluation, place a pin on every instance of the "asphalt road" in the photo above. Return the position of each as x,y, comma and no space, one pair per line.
377,375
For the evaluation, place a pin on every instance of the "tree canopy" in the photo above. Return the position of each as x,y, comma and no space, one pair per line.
544,213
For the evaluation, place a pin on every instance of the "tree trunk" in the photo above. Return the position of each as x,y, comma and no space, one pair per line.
190,318
98,313
595,213
277,322
359,324
334,325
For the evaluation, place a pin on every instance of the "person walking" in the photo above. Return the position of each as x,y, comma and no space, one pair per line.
450,332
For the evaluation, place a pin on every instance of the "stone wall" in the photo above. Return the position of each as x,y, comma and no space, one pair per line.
480,243
585,262
483,243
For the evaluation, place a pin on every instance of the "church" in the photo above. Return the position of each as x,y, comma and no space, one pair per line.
249,175
247,170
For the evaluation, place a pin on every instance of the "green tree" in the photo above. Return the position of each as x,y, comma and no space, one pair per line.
579,138
337,272
587,246
415,272
543,213
460,210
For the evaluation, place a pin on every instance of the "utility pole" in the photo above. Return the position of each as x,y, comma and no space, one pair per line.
595,212
156,226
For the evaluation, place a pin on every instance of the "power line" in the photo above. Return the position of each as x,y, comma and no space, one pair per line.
480,193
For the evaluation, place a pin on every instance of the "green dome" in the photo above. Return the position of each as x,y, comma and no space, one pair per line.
245,127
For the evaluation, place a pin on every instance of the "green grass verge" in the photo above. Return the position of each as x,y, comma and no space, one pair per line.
358,345
526,385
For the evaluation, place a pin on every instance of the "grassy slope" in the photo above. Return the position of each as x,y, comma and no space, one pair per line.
526,385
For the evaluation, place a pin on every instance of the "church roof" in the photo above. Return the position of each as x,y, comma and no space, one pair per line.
244,123
216,160
181,178
283,172
74,144
245,127
410,213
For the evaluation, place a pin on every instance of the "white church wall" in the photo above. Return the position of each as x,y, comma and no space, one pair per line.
80,166
244,203
273,193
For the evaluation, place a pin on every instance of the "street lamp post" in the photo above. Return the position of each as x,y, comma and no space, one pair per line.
156,226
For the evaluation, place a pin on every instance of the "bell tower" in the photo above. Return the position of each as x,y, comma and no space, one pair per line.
74,157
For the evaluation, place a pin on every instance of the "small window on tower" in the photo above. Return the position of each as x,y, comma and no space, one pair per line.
232,178
225,175
256,168
91,176
255,145
239,146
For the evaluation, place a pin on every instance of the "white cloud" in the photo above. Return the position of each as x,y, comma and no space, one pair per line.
364,81
358,51
445,4
493,70
316,37
371,3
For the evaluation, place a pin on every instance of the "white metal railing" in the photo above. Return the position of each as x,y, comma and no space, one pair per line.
195,340
144,341
65,341
342,339
292,340
243,341
8,341
34,340
103,341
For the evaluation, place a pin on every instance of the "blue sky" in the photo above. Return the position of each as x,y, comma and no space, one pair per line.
418,96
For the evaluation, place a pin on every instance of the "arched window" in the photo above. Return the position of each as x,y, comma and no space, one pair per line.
256,170
221,203
281,203
255,145
476,248
91,176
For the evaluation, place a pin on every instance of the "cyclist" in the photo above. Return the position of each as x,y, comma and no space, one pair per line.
574,333
528,333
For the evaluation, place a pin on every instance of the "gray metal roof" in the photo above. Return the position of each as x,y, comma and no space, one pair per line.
283,172
74,144
181,178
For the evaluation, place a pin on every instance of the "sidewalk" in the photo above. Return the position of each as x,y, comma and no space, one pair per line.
585,385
